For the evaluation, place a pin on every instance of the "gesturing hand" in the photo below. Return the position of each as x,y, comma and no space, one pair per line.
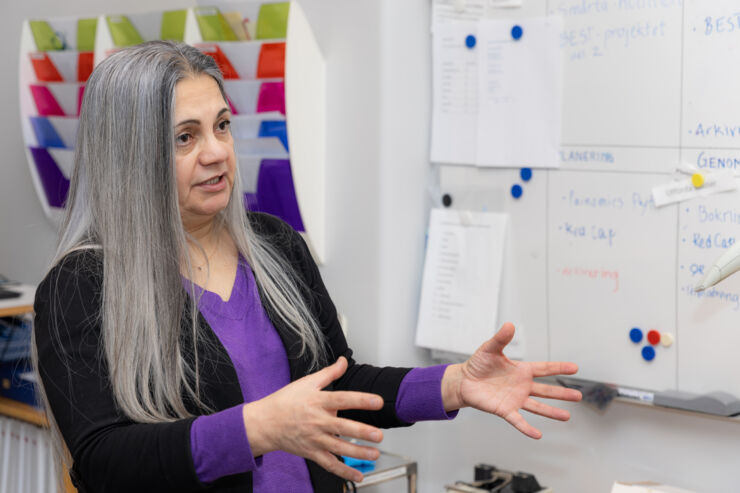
302,419
491,382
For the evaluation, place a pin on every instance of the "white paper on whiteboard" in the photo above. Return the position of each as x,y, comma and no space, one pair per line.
680,190
455,95
519,93
445,11
462,280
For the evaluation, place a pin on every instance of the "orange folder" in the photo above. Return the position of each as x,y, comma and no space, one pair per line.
272,61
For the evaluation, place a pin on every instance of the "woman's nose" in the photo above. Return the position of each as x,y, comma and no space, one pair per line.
214,150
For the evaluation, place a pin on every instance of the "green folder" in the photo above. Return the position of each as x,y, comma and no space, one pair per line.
213,26
122,31
173,25
272,20
86,34
45,37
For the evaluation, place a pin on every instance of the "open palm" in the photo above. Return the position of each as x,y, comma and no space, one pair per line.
491,382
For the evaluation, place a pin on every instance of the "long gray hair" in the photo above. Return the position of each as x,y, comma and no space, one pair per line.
123,202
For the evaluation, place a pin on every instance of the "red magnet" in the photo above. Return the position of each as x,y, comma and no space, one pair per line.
653,337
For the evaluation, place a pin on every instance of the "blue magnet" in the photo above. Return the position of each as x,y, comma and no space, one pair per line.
526,174
470,41
648,353
516,191
635,335
516,32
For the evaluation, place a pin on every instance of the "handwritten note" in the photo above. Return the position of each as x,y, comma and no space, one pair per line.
680,190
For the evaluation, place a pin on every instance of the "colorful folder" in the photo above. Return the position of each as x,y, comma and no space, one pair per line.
276,129
57,98
173,25
86,29
55,131
272,21
255,96
45,37
62,66
275,192
247,60
213,26
123,31
54,183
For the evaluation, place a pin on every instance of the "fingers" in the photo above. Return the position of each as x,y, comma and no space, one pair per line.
329,462
500,340
354,429
327,375
338,446
542,409
518,422
550,368
343,400
555,392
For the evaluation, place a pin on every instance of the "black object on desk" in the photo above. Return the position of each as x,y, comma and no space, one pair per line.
7,293
491,479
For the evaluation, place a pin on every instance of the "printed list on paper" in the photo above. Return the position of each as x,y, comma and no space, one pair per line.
462,280
497,100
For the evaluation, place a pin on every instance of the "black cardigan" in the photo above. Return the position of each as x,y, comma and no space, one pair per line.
111,452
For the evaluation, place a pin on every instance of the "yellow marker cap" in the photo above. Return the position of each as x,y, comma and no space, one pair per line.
697,179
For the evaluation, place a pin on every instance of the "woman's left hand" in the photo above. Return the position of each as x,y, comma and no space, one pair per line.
491,382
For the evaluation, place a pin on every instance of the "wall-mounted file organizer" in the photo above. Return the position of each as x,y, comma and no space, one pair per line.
56,58
257,45
254,43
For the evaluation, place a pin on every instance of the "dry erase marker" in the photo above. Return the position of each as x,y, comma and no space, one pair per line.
726,264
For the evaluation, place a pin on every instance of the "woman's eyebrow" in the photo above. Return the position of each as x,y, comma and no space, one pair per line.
197,122
190,121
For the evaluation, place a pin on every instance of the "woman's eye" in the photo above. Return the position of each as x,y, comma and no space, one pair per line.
224,125
183,139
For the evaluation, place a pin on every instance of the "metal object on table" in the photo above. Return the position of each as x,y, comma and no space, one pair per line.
389,467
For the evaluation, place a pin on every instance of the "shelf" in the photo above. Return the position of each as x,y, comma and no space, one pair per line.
23,412
20,305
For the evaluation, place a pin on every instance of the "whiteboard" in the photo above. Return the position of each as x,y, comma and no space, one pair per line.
648,85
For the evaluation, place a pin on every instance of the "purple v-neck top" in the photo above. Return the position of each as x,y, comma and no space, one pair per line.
219,442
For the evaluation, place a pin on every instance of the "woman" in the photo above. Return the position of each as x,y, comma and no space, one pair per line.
183,344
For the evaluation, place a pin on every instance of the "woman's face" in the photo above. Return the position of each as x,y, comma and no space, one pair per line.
205,161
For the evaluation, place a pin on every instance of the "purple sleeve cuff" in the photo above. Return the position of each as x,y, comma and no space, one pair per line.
420,396
220,446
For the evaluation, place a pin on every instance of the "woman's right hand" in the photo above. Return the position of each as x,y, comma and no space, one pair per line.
301,419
